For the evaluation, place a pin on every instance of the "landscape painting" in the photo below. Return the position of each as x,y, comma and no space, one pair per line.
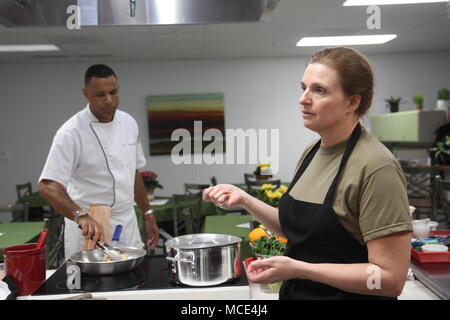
167,113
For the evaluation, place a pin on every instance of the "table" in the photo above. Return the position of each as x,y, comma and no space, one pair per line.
19,233
230,225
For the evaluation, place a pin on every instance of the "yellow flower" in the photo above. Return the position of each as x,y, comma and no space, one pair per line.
282,188
264,165
270,194
266,186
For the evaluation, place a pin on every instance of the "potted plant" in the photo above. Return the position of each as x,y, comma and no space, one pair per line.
443,99
263,172
418,101
271,195
266,245
151,182
393,103
441,152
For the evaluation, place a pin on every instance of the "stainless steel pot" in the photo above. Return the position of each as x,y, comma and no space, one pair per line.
204,259
90,261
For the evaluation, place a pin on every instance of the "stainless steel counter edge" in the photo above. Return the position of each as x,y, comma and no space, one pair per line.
434,286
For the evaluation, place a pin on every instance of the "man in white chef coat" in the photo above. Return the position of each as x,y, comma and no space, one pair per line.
94,159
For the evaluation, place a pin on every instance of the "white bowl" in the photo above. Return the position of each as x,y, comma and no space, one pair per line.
434,248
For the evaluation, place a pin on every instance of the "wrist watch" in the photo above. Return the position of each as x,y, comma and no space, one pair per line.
80,213
148,213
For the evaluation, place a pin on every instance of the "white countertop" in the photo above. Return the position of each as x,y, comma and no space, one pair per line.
413,290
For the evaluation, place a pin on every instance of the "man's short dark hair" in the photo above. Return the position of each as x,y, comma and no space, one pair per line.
98,71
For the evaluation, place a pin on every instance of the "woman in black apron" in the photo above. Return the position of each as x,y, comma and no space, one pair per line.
316,237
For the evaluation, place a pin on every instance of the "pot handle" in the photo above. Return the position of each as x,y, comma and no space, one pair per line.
178,259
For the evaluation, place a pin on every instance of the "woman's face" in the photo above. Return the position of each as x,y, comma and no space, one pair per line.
323,103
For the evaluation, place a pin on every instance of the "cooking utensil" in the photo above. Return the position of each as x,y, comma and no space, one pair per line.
203,259
112,254
42,238
91,261
116,236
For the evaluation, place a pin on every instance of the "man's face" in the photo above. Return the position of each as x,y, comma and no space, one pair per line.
103,97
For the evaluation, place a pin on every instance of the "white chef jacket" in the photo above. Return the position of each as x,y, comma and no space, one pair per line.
96,163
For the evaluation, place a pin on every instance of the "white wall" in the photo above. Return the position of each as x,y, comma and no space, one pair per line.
259,93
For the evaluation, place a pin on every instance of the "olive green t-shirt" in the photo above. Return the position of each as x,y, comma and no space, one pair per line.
370,199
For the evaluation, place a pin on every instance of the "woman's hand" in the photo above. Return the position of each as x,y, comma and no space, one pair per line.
91,229
225,196
273,269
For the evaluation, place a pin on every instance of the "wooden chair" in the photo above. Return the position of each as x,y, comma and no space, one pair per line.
443,189
23,190
421,188
187,214
19,211
34,213
190,188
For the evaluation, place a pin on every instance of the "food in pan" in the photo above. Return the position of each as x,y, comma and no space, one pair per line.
123,256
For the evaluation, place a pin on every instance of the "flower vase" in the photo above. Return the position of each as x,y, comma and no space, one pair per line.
443,104
394,107
150,195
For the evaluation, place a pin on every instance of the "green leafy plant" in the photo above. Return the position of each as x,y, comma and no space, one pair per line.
442,147
269,246
266,247
444,94
393,103
418,98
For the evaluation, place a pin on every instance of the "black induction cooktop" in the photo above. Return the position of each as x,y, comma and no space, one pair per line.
153,273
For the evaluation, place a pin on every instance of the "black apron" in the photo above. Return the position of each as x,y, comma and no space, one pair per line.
316,235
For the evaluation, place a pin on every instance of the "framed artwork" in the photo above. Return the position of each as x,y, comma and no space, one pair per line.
167,113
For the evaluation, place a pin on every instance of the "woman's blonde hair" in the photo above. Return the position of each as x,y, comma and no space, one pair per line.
354,72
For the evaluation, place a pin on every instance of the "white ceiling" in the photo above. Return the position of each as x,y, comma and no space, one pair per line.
420,27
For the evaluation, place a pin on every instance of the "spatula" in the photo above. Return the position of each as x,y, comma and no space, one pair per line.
108,250
42,238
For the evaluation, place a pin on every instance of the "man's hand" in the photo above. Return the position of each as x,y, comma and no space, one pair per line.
91,229
152,232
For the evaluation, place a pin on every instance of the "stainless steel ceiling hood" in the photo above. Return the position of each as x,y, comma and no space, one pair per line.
15,13
34,12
